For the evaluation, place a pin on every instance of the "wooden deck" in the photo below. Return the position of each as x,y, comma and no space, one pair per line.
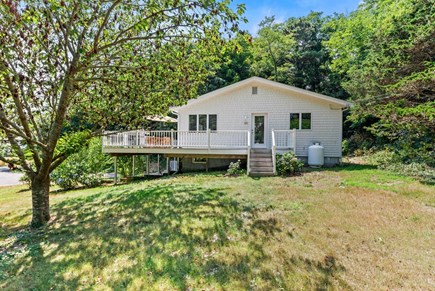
226,144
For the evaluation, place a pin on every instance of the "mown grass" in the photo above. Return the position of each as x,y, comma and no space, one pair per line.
351,227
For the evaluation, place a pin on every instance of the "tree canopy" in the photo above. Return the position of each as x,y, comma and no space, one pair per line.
271,51
386,50
109,62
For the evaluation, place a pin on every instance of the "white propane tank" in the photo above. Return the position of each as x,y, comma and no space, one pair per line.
316,155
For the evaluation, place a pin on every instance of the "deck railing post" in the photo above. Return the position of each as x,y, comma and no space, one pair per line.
248,160
137,138
208,138
273,152
172,138
294,141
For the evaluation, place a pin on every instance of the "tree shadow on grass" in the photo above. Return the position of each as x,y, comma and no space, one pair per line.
175,235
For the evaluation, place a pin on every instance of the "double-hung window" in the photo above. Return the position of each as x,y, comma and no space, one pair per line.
202,122
300,120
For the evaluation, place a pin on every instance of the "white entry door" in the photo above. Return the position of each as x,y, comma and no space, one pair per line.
259,125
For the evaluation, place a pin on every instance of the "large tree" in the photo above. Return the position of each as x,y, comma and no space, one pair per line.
271,51
108,62
235,64
386,49
310,57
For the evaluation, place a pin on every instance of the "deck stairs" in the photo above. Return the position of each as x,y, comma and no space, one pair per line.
261,163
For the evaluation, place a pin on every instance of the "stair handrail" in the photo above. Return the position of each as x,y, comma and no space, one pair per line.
273,152
248,158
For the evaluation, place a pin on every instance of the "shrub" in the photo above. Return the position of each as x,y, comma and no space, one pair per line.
391,161
65,179
82,168
288,164
234,169
91,180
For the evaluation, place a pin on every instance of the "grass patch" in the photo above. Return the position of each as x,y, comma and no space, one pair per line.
331,229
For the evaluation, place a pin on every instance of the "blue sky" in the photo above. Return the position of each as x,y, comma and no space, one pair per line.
283,9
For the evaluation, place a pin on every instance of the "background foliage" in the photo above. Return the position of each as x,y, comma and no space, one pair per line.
84,168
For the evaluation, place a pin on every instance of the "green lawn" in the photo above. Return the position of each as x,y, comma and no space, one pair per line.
350,227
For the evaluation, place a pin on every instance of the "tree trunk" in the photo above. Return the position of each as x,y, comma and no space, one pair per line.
40,201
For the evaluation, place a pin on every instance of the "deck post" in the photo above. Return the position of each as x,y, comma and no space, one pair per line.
116,170
132,170
148,165
158,163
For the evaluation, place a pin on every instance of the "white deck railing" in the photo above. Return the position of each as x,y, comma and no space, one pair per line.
221,139
282,139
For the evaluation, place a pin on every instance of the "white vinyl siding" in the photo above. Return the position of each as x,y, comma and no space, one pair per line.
235,106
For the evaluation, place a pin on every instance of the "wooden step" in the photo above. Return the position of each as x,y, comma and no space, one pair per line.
261,163
261,156
261,159
262,168
269,151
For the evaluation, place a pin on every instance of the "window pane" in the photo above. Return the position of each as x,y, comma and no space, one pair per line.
192,122
259,130
306,120
199,160
294,120
202,125
212,122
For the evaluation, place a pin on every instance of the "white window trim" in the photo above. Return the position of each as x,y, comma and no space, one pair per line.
300,120
197,121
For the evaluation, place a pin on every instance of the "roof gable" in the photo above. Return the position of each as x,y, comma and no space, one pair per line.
273,84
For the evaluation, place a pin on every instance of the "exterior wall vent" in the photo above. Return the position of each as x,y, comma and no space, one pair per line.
254,90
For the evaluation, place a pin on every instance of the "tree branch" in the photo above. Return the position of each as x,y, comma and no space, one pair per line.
2,158
103,25
16,147
23,118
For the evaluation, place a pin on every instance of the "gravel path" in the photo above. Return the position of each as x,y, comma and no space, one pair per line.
8,178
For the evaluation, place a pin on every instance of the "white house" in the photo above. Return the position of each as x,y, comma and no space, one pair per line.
250,120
